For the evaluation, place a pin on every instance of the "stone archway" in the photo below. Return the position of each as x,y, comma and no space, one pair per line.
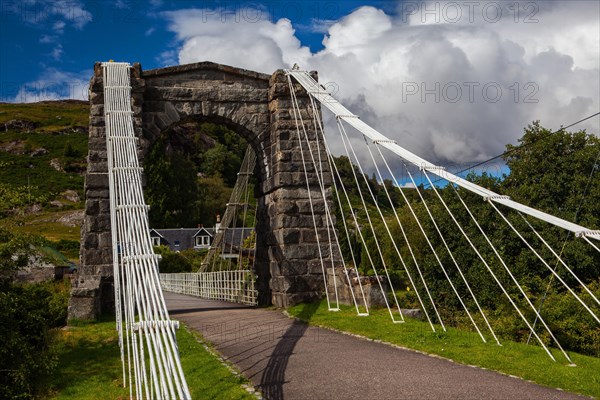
258,107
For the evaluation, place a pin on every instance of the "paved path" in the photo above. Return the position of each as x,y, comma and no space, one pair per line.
287,359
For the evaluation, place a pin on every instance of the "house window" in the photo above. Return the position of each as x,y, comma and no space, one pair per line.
177,243
202,241
155,241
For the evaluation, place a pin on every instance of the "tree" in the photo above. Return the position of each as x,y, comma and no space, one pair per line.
172,189
557,173
27,313
219,161
213,196
551,171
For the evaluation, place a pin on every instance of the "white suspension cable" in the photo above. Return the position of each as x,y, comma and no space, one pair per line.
331,164
347,145
426,238
564,265
511,276
152,355
300,123
341,112
592,244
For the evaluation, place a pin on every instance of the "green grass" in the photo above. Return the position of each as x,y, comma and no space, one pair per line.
21,170
526,361
27,178
50,116
90,366
44,224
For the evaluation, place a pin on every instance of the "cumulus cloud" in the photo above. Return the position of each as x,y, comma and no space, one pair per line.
251,42
451,88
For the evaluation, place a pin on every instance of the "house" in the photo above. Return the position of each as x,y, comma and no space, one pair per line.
200,238
183,238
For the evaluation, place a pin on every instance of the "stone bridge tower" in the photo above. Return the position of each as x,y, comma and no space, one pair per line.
259,108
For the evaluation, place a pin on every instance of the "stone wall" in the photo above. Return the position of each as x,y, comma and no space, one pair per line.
351,288
259,108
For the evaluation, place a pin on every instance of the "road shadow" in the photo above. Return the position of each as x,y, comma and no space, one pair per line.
203,309
273,377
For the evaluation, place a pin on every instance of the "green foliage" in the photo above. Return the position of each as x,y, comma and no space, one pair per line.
573,326
27,315
70,151
14,250
12,197
89,365
194,257
551,173
191,169
27,179
172,189
70,248
220,162
172,262
213,197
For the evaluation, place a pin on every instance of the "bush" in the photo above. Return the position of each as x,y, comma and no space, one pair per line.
572,325
27,314
70,248
172,262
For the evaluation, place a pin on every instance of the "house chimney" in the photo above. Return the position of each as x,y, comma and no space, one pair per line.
218,224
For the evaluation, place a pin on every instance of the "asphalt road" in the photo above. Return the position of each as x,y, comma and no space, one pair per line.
286,359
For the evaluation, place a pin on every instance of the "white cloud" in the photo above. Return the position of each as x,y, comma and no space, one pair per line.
57,12
57,52
258,45
59,26
53,84
47,39
167,58
449,90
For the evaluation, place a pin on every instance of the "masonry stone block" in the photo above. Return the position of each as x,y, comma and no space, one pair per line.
96,181
261,108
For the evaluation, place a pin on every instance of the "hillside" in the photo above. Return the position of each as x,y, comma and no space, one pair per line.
43,149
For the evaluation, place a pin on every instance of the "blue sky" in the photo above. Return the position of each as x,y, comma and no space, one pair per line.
63,39
452,81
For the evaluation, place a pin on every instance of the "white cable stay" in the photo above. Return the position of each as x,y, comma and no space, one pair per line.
239,198
297,117
149,353
380,176
321,97
333,169
341,112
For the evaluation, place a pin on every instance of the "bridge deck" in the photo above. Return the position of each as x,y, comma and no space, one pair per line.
288,359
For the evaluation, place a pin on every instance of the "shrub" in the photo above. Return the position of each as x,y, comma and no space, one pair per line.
172,262
27,314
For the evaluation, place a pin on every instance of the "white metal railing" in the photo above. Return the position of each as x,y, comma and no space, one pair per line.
233,286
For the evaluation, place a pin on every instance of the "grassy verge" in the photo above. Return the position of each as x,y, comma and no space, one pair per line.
45,224
526,361
89,366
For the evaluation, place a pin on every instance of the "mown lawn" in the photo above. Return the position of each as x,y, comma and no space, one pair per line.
90,366
529,362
